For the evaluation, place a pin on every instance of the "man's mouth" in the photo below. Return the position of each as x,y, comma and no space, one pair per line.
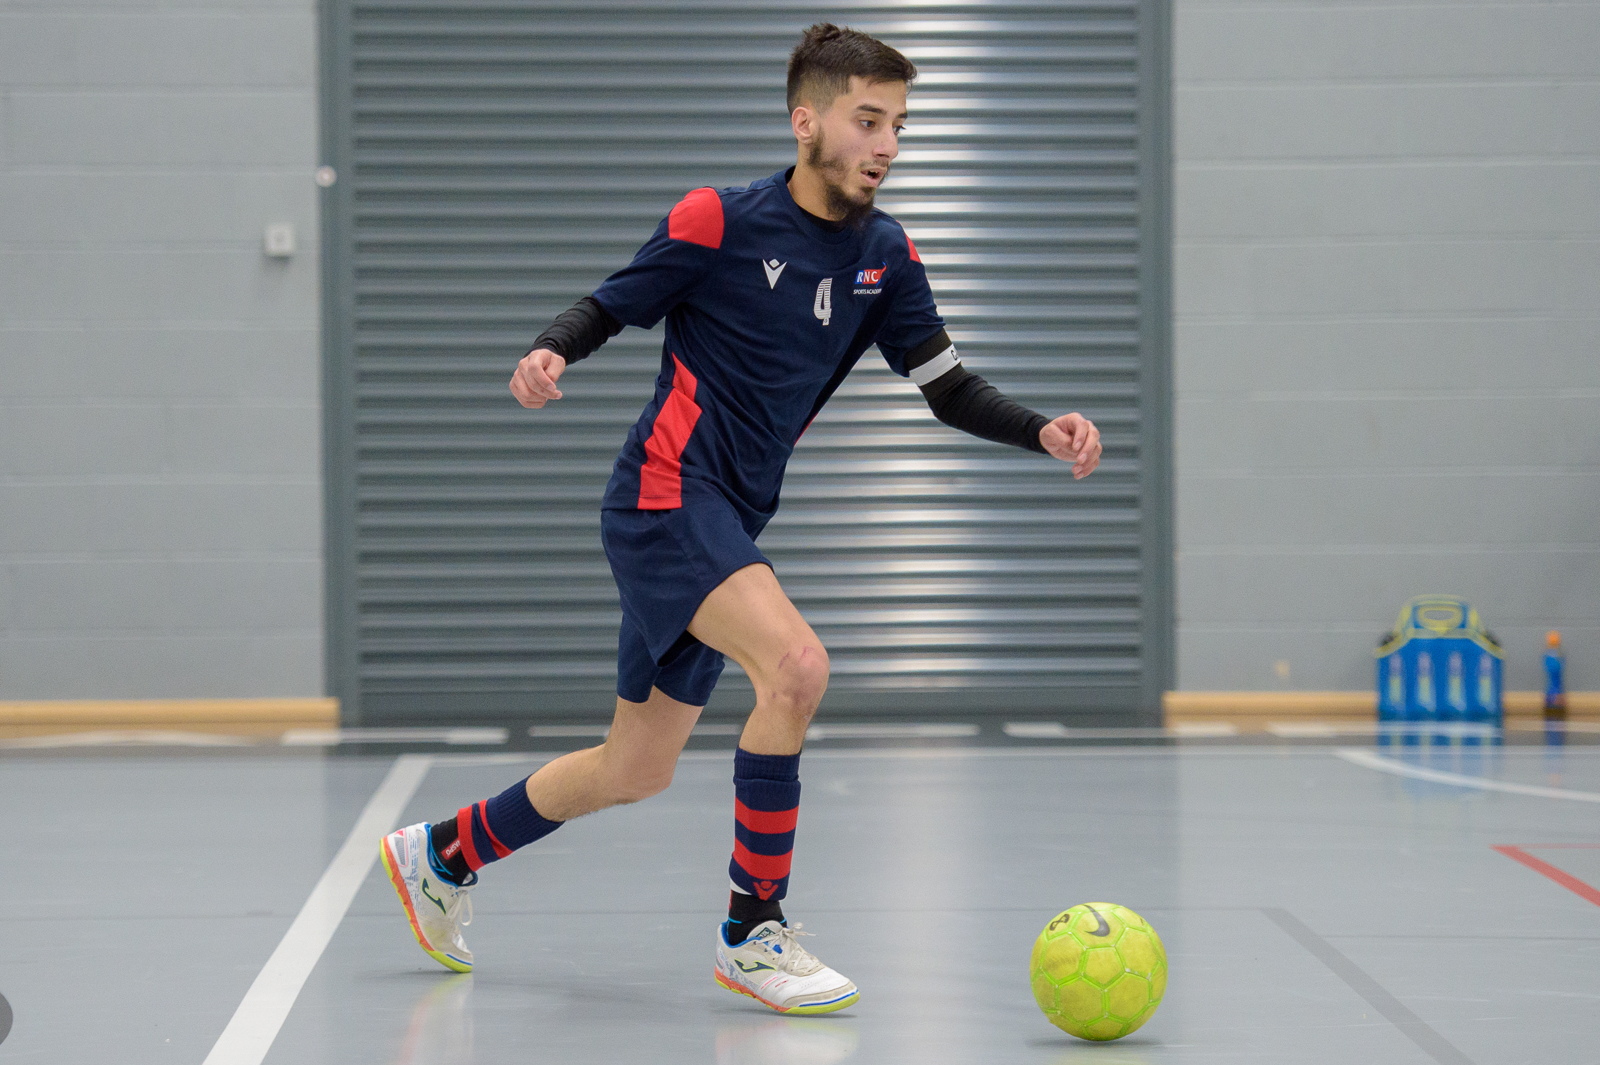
874,174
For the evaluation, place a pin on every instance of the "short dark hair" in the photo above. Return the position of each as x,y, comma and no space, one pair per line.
827,57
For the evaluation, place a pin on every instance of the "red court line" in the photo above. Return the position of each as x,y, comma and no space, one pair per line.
1565,879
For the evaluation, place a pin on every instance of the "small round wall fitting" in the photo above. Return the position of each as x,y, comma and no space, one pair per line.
326,176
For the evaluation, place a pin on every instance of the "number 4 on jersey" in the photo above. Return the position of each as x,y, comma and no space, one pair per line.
823,308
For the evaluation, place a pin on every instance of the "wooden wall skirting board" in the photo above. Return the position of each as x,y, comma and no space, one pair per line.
241,717
257,717
1253,710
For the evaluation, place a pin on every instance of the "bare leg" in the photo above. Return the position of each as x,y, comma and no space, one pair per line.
749,618
635,762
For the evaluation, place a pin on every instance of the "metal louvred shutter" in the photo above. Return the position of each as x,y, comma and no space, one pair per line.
497,160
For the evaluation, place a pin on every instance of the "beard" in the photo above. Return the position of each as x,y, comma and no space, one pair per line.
835,170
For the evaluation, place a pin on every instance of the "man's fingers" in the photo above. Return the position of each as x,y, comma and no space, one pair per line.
525,395
531,381
1089,457
543,383
537,380
1056,441
1073,438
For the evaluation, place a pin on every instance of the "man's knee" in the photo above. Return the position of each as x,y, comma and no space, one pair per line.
637,789
636,783
632,775
796,682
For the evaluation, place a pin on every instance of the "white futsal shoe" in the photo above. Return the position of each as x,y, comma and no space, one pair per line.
775,970
437,910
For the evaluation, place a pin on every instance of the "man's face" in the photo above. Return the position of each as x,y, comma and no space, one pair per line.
855,142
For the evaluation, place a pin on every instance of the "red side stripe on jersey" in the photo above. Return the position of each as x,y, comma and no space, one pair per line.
765,820
914,256
698,219
762,866
661,478
500,849
464,834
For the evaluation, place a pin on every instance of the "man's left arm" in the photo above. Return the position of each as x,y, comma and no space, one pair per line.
963,400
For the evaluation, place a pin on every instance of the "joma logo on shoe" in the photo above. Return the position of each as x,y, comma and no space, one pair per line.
429,896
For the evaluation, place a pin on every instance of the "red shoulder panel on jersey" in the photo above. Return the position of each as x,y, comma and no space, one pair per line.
697,219
914,256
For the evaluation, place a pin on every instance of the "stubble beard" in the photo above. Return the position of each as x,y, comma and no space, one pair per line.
854,212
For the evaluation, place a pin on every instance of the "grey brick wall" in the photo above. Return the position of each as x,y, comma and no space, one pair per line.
1387,336
160,489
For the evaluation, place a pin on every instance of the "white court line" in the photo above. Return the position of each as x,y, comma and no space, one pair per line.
1460,780
1312,730
255,1024
895,753
1035,730
575,731
1205,728
584,731
334,737
1055,730
128,738
885,731
1559,726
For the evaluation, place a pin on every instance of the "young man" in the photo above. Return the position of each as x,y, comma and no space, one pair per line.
770,293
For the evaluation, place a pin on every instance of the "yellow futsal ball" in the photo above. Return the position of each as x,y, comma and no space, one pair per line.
1098,971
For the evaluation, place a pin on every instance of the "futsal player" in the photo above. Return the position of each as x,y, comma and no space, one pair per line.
771,293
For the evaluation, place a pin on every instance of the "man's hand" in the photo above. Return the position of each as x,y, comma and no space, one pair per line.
534,383
1073,438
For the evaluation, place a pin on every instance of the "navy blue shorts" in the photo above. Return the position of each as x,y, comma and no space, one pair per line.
666,562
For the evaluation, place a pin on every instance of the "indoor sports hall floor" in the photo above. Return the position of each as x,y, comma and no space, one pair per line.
1321,901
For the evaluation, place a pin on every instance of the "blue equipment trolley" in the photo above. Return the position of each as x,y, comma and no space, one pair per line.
1440,664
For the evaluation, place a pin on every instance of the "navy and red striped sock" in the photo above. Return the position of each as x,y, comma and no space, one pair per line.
486,832
766,805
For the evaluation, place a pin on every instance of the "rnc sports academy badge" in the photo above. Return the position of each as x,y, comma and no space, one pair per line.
870,282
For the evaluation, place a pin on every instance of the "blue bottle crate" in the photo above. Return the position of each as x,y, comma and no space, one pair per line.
1440,664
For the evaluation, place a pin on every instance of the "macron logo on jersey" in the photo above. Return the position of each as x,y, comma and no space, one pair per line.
870,282
774,270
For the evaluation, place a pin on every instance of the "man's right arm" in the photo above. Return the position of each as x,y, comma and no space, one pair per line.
574,335
666,269
579,331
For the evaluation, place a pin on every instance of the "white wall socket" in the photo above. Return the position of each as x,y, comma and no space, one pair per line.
278,241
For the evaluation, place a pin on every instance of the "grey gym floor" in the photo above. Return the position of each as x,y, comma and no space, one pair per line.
1313,909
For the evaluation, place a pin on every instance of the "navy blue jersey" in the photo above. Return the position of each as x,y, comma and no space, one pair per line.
766,313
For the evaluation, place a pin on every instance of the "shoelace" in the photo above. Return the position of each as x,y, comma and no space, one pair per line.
799,960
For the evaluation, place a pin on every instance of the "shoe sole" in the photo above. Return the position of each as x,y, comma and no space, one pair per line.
803,1011
399,884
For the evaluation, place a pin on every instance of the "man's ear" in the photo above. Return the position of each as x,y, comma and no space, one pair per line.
804,122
